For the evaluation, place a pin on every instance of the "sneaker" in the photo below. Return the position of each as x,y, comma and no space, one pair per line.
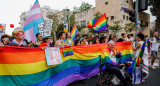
153,67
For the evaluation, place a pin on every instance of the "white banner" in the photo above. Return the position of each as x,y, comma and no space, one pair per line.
45,28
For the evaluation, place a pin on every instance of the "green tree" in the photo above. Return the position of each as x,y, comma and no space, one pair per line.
129,27
97,15
84,6
155,10
116,27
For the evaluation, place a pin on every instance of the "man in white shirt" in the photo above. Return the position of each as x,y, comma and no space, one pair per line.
154,48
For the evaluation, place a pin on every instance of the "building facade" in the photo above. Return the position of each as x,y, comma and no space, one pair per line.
114,10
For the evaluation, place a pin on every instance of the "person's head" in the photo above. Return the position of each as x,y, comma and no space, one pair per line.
62,35
97,37
129,36
84,40
18,34
111,37
68,35
85,36
111,45
102,40
123,35
156,34
95,40
77,42
5,39
48,40
39,37
140,37
115,38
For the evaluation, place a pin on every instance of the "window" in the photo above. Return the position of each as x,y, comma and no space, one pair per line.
83,23
112,18
107,18
126,17
106,3
127,1
123,17
146,24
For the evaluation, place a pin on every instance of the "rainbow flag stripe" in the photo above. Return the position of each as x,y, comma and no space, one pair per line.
74,32
101,24
91,23
26,66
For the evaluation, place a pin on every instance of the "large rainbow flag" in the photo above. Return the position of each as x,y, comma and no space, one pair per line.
26,66
74,32
33,20
101,24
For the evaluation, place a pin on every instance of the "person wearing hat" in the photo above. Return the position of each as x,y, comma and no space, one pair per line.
47,39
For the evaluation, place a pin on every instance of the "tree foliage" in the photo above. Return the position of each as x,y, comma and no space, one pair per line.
55,23
97,15
155,10
116,27
129,27
84,6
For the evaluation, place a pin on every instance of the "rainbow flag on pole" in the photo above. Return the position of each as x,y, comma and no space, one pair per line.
101,24
74,32
91,23
33,20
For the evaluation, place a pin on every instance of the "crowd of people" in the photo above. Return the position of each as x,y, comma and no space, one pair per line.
66,40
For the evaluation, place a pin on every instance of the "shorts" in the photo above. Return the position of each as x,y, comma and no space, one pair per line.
154,54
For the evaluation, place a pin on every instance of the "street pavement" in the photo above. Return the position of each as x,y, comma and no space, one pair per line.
152,80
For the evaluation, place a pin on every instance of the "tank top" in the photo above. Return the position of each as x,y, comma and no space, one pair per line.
137,51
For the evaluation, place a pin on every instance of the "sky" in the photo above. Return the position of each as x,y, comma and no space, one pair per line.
10,10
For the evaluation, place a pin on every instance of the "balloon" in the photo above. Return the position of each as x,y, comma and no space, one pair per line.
12,25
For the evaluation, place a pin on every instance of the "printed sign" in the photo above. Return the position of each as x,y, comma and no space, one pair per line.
138,24
45,28
2,29
53,56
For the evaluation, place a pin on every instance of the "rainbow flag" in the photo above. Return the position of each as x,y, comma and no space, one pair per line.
91,23
138,59
101,24
26,66
33,20
67,52
74,32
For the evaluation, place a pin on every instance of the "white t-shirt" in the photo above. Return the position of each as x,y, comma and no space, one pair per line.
155,44
112,57
131,39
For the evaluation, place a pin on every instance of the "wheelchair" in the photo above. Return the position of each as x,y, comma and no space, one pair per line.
106,77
